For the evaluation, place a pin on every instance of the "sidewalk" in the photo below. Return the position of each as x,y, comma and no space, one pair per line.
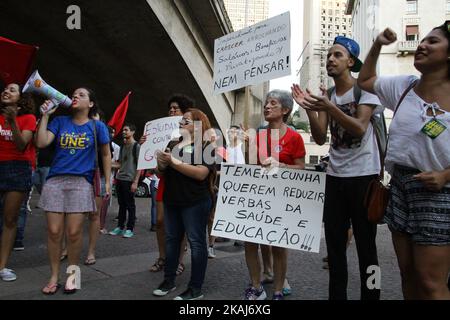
121,271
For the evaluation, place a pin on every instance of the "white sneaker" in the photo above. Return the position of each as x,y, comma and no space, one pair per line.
211,252
7,275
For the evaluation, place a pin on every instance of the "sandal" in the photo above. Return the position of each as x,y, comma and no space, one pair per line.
90,261
158,265
180,269
51,289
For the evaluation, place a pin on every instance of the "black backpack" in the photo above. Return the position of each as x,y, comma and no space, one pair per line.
378,121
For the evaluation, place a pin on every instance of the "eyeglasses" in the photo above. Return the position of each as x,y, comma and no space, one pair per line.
186,121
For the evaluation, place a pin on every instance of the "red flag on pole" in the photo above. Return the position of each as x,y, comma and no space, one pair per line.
16,61
118,118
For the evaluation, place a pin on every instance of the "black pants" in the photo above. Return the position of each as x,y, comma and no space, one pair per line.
343,202
126,203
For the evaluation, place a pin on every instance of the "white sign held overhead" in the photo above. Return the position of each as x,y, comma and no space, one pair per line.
283,209
253,55
159,133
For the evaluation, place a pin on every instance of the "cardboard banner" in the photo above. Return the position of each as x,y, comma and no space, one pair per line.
284,209
159,133
253,55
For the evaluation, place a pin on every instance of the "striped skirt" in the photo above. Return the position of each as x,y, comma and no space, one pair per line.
416,211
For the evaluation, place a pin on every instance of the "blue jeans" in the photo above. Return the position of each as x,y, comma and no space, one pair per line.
192,220
153,203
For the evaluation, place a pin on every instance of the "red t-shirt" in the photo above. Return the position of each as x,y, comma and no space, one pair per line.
286,149
8,149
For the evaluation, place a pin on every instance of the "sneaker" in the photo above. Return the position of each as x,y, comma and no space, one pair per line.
287,290
7,274
277,296
128,234
164,288
190,294
103,231
18,246
116,218
255,294
211,252
116,232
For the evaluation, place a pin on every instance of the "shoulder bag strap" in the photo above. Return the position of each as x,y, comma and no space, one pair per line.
95,143
383,152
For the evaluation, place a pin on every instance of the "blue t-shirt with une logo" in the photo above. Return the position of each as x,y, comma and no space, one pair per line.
75,147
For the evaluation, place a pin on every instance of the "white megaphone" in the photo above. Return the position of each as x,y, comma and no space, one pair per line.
35,84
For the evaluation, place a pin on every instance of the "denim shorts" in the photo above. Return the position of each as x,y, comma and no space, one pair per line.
15,176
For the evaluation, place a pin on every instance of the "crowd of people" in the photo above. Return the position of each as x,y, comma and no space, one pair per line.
76,184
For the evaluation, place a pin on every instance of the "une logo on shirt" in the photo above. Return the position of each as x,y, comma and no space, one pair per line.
73,141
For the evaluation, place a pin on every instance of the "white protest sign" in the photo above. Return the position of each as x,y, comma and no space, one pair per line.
284,209
159,133
253,55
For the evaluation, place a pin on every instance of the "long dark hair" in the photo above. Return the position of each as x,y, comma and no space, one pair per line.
93,98
445,30
26,103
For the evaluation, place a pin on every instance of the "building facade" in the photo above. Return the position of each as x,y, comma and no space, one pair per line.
323,21
243,13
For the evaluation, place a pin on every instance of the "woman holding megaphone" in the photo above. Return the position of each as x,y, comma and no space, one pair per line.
68,194
17,124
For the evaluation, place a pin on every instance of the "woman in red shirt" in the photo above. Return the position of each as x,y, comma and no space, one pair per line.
17,124
278,146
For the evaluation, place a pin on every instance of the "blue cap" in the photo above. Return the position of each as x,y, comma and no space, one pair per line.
353,48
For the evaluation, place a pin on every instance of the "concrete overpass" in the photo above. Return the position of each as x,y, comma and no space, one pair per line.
151,47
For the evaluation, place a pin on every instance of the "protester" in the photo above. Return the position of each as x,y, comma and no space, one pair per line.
17,124
278,146
418,158
127,179
354,162
187,200
177,105
101,200
68,194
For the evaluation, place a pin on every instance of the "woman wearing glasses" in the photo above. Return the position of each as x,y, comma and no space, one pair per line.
418,158
187,200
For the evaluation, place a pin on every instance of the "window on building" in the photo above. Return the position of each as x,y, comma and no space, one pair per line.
412,33
411,6
314,159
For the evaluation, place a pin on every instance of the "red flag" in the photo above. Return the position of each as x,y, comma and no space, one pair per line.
118,118
16,60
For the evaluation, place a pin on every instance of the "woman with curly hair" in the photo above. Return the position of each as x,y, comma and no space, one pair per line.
17,124
418,158
187,199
